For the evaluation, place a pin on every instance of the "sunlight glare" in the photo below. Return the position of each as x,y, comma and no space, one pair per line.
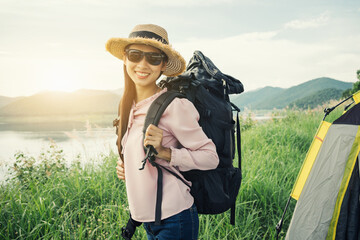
63,80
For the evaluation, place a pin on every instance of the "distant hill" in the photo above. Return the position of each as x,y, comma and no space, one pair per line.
91,92
7,100
317,98
270,98
61,103
87,101
255,98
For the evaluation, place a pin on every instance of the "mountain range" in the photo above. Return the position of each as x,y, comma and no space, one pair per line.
62,103
310,93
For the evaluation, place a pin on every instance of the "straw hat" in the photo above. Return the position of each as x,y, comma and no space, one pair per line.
153,35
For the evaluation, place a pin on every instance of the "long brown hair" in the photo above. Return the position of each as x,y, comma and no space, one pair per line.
125,105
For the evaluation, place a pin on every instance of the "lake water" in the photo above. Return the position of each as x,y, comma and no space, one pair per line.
78,140
89,141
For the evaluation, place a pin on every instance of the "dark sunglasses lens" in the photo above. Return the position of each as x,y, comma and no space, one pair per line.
154,58
134,55
151,57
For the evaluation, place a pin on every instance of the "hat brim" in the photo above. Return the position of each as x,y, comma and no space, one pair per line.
175,65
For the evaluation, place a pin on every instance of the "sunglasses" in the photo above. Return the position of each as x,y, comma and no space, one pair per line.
151,57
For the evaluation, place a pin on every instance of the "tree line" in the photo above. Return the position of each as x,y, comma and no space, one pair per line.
356,87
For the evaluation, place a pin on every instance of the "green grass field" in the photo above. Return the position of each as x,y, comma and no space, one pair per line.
52,201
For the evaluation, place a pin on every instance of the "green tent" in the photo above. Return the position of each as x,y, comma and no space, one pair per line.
328,185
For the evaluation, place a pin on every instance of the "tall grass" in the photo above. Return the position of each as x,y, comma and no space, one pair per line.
90,202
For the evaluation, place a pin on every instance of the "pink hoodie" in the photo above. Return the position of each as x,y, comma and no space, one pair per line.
191,149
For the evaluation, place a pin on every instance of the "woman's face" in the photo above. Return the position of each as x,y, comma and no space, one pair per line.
142,73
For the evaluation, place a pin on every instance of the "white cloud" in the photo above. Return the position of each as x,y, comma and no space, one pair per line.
264,59
309,23
136,3
189,2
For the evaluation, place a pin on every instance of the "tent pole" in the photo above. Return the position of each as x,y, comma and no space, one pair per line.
327,111
280,223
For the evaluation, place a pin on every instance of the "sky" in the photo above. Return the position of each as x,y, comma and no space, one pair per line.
60,44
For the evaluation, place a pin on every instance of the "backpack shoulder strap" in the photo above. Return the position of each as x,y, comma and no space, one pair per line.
153,116
158,107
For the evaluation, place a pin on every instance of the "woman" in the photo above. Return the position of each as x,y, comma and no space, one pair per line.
179,140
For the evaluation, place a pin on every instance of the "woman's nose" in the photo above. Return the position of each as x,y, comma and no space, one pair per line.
143,62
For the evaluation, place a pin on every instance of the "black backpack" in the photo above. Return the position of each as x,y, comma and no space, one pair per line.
202,83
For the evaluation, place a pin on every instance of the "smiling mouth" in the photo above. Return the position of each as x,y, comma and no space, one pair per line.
142,74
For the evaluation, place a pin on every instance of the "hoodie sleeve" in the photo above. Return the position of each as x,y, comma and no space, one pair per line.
195,150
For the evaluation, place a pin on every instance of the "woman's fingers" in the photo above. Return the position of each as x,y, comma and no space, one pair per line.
153,136
153,142
152,130
120,170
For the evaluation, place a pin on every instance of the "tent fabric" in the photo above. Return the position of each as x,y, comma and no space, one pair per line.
315,207
345,185
348,226
356,97
310,159
352,116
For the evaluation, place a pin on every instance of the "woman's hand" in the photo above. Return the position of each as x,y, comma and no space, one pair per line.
120,170
154,136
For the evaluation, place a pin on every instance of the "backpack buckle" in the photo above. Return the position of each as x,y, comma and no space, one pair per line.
150,156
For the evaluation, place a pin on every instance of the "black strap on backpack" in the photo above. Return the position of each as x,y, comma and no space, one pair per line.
238,146
153,117
238,135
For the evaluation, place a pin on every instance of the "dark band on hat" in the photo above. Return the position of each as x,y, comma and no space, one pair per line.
146,34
